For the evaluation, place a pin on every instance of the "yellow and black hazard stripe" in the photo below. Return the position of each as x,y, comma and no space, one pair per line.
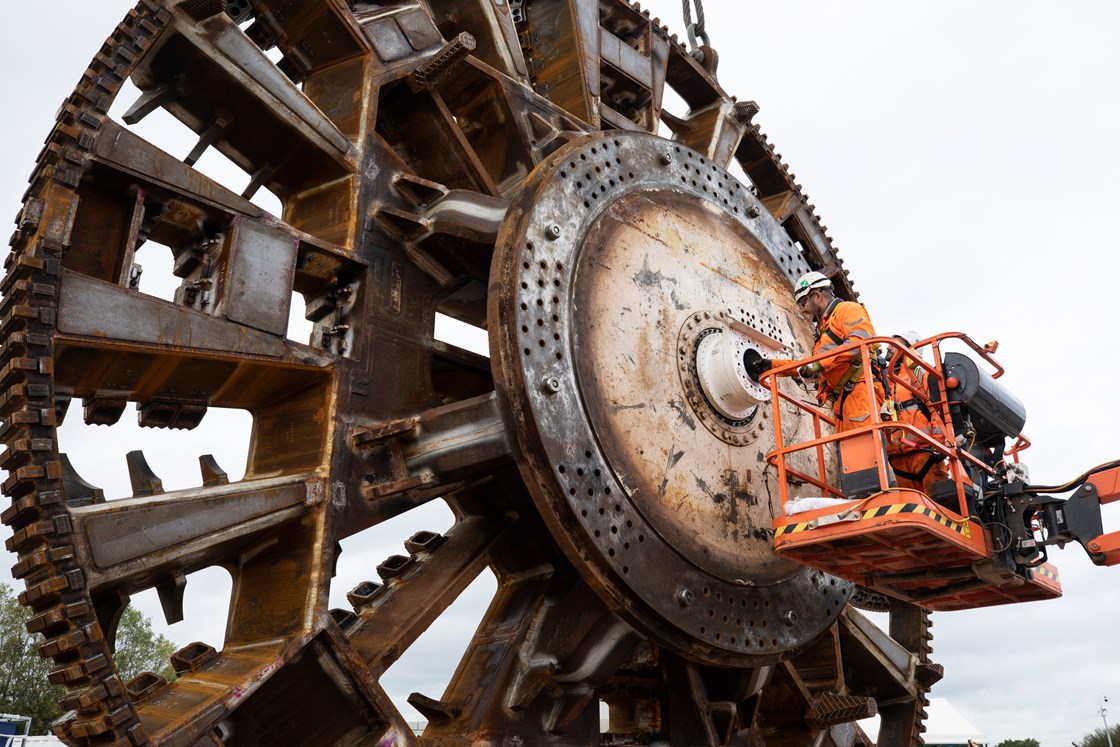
791,528
1046,572
916,508
897,508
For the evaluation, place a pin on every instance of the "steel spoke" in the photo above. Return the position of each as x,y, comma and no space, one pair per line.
157,171
99,315
221,73
133,541
417,589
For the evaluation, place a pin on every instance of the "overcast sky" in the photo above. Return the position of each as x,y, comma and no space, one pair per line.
964,156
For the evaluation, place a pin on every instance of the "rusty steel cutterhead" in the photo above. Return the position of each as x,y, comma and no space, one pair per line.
495,163
587,292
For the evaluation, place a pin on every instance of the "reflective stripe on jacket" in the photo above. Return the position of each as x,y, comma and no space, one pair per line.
917,377
850,323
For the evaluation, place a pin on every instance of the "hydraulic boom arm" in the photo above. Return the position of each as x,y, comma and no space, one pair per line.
1073,519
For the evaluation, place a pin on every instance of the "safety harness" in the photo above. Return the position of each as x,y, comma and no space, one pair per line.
933,457
912,403
847,383
916,403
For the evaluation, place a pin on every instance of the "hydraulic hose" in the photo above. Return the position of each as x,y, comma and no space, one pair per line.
1072,484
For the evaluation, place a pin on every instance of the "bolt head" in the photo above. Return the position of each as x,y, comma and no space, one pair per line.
666,158
551,384
753,211
553,231
789,617
685,598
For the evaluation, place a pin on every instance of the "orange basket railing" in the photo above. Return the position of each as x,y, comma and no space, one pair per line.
877,429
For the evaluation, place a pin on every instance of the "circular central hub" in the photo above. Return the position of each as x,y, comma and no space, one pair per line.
712,348
648,263
629,283
723,378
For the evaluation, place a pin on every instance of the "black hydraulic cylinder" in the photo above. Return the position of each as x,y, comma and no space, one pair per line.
995,412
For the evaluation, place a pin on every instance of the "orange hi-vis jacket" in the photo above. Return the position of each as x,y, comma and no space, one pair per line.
844,322
916,469
910,409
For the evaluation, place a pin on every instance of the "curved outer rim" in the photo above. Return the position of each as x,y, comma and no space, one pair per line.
682,607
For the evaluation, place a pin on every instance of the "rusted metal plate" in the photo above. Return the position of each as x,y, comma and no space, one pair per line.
260,270
91,308
655,263
127,529
609,253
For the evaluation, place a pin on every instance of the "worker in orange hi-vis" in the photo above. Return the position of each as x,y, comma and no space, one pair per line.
915,467
841,379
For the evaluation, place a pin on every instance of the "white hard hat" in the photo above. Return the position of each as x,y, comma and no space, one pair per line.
908,336
808,283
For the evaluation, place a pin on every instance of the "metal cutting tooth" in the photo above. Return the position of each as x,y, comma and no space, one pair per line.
78,491
212,474
144,480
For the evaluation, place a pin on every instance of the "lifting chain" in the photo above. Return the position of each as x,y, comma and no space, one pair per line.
695,30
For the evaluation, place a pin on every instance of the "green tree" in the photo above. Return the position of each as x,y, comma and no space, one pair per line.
139,649
1099,739
24,688
1019,743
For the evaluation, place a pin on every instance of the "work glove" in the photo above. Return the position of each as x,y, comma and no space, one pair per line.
810,370
757,366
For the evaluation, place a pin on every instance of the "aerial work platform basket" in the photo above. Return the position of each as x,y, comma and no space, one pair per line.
897,541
